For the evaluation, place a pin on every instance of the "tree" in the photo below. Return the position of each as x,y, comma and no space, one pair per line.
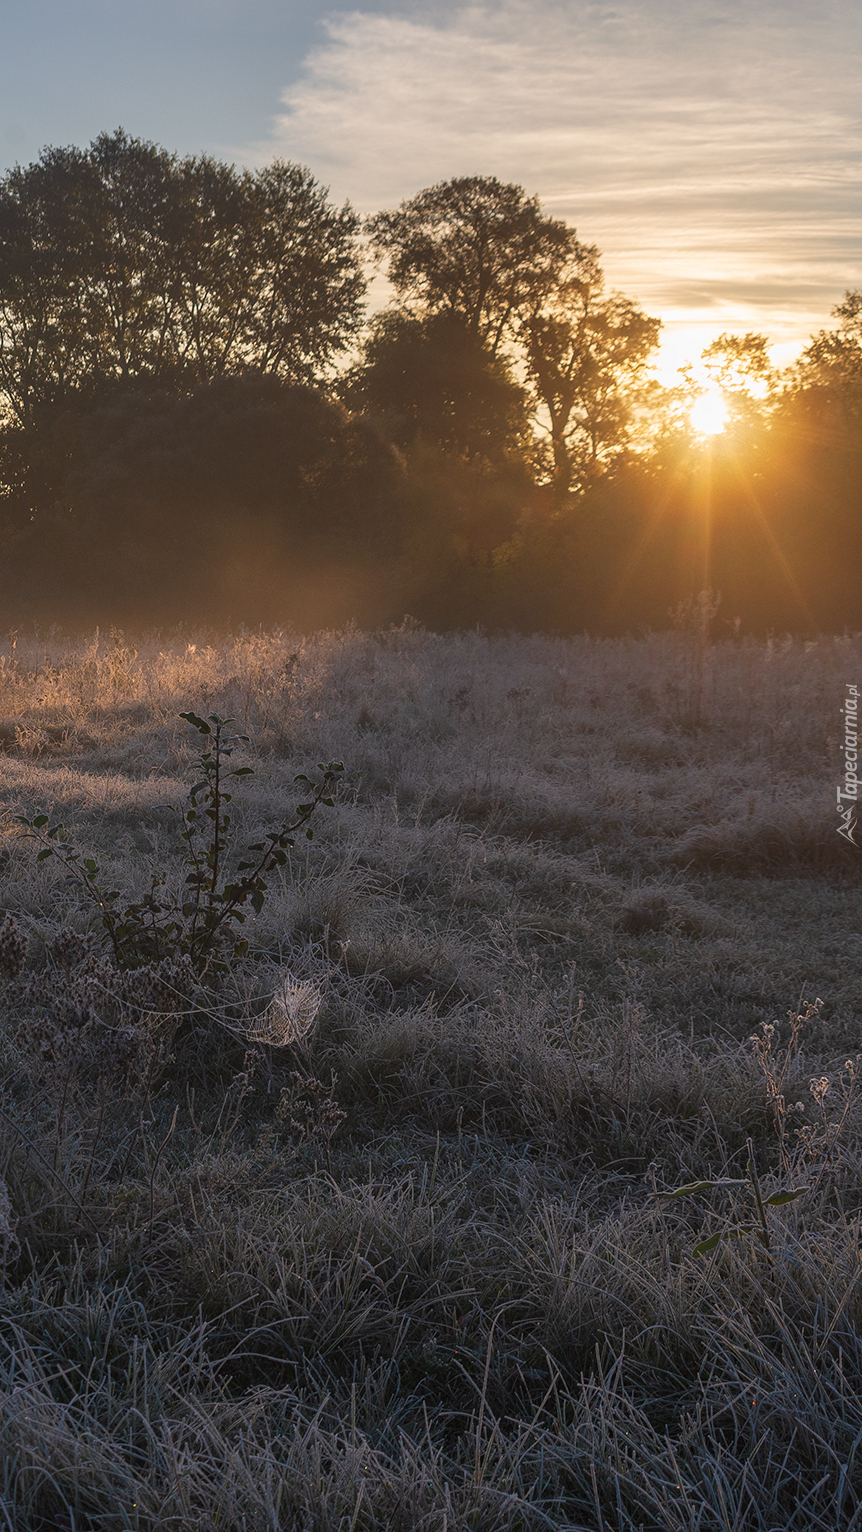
246,499
43,230
267,275
472,246
739,366
525,288
826,384
586,354
123,264
431,380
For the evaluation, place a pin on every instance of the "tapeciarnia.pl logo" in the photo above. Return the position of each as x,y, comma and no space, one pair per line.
848,792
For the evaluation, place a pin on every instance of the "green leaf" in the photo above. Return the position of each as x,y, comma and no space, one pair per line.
243,771
780,1198
709,1244
695,1188
48,851
38,822
197,723
715,1239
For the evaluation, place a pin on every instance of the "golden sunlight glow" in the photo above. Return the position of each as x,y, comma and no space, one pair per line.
708,414
679,348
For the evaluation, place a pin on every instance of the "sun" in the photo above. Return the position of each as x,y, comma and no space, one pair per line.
708,415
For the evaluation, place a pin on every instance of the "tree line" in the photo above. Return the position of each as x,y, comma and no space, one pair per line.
197,422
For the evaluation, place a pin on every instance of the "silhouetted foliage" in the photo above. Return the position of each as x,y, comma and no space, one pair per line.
218,506
826,384
479,251
123,262
434,381
585,353
473,246
166,325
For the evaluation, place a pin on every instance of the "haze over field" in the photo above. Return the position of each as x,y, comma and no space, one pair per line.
711,151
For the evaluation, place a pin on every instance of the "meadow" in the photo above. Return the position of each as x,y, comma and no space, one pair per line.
359,1228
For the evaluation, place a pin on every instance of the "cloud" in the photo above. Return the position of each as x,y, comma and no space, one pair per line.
711,151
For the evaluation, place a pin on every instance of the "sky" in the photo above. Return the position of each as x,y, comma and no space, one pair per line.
711,150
